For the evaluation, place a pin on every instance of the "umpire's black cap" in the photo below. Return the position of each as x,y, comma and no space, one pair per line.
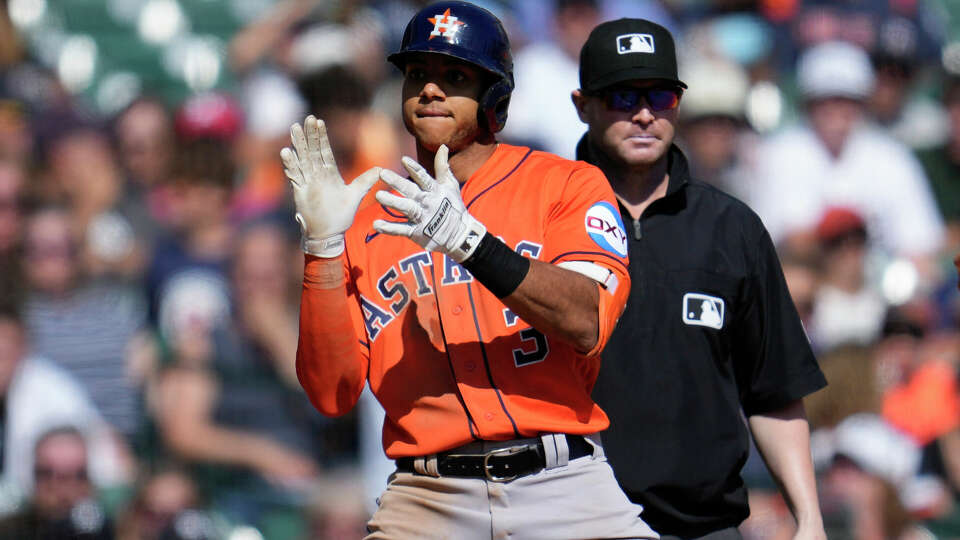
627,49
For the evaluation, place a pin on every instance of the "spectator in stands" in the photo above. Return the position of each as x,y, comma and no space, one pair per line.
217,118
37,396
359,137
271,102
81,170
908,115
62,506
229,403
846,310
547,71
186,280
144,133
941,457
921,396
82,325
159,500
146,146
713,128
868,469
836,159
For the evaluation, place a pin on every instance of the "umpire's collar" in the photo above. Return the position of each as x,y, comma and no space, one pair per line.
677,166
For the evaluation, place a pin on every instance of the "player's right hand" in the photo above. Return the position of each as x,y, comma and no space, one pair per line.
325,204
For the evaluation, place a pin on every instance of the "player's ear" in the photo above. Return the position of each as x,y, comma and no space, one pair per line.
580,102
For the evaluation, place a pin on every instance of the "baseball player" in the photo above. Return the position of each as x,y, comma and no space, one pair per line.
473,297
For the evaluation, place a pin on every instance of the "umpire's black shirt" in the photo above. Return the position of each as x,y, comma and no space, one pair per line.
709,329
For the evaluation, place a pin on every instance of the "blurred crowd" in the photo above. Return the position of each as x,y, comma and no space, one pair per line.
150,269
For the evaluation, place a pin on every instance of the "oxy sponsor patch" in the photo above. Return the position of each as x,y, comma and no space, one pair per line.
605,227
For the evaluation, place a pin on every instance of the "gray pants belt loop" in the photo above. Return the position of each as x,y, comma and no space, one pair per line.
427,465
555,449
597,442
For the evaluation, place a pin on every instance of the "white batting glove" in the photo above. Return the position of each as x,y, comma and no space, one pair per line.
325,204
436,217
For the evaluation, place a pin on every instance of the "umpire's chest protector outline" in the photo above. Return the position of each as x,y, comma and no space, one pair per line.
448,361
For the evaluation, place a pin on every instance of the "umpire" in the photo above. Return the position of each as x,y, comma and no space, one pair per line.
709,332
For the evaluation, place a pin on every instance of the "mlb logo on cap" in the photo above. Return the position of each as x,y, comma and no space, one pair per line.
607,58
635,43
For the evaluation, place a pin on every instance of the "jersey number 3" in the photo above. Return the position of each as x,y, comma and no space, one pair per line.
539,349
535,347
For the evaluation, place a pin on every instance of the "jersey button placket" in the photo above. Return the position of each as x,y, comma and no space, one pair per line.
457,309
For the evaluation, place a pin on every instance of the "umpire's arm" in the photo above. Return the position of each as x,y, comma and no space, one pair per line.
775,369
783,438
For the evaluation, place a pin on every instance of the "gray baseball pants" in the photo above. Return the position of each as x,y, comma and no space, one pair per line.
568,500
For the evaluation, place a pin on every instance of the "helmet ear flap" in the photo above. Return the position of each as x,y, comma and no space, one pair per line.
494,104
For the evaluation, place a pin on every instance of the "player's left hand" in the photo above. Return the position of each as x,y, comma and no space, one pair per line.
325,204
436,216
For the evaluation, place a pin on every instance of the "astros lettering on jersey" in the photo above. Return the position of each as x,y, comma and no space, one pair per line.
492,376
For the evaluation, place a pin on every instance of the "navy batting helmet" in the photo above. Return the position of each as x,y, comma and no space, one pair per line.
470,33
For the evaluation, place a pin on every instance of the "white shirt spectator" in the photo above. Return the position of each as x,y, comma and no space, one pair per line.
41,397
840,317
797,180
541,113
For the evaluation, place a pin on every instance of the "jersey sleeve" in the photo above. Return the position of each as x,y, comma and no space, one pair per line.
612,302
585,225
773,362
332,359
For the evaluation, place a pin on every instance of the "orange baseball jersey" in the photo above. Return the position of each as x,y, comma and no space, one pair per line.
447,360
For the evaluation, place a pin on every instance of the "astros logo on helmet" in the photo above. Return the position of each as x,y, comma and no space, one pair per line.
444,24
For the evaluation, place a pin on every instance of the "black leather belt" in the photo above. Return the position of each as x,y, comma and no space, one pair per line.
502,464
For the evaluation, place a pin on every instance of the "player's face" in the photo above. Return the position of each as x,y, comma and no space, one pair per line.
634,127
440,101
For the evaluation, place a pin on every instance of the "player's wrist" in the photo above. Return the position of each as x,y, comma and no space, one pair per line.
499,268
327,247
466,243
323,272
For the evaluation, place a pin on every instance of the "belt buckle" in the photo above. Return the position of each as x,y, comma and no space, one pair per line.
510,451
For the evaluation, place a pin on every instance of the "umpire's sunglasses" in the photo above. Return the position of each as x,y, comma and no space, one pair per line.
658,98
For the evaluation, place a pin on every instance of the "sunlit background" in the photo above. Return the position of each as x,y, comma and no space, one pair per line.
149,263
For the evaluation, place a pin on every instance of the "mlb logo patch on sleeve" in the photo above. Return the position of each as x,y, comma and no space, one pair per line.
605,227
703,310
